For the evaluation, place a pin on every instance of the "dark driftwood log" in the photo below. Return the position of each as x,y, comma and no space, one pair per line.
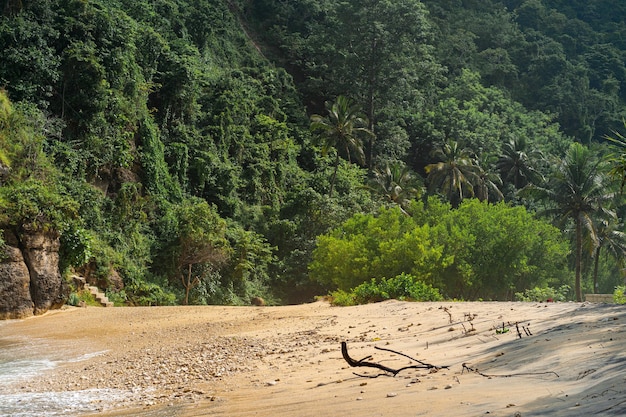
393,372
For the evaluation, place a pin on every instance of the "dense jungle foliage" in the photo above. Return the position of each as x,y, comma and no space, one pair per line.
197,151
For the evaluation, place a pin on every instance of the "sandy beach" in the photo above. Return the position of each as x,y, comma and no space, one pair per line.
467,359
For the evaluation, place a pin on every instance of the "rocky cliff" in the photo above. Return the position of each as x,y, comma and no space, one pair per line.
30,281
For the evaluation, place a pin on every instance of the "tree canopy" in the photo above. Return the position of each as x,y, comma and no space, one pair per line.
143,132
478,250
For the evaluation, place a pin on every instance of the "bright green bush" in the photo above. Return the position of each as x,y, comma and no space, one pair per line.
479,250
402,287
544,294
368,246
342,298
619,295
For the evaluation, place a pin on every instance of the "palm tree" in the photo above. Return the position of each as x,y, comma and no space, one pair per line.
578,193
396,183
517,165
609,236
617,158
341,130
487,188
456,173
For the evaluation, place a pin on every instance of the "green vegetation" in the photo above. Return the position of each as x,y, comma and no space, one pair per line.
209,152
478,250
76,298
402,287
546,294
619,295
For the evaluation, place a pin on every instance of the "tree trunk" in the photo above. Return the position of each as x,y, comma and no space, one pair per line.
332,180
187,285
578,260
370,125
370,103
596,261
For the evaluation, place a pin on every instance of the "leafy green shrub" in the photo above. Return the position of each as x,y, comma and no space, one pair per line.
374,246
478,250
544,294
619,295
76,245
33,204
402,287
142,293
73,299
342,298
118,298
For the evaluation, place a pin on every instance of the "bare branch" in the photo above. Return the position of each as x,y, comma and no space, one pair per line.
390,371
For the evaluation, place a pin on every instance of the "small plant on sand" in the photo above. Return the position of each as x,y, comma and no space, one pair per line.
544,294
619,295
342,298
83,296
73,299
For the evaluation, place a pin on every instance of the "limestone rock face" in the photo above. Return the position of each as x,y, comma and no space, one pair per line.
48,289
30,281
15,300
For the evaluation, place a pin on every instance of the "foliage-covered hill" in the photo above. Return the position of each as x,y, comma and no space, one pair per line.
168,141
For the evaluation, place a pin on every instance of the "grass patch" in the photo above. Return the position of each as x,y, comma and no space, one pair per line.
76,298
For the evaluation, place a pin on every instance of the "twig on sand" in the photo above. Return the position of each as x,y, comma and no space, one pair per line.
467,368
389,371
613,406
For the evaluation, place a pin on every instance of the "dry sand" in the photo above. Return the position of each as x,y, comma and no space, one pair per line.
287,361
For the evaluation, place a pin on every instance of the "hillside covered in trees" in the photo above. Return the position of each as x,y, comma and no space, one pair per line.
210,151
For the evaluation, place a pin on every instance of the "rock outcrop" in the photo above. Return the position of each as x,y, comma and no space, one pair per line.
15,299
30,281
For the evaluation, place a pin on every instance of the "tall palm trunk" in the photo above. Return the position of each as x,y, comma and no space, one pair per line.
579,257
596,261
371,106
332,180
370,114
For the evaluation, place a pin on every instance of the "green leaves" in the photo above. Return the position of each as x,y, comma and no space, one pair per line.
396,184
401,287
476,251
341,130
498,249
577,193
617,156
32,204
455,174
368,246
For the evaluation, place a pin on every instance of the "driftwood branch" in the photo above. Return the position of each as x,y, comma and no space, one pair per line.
421,365
389,371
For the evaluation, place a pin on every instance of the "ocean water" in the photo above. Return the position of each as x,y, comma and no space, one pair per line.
24,359
48,404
